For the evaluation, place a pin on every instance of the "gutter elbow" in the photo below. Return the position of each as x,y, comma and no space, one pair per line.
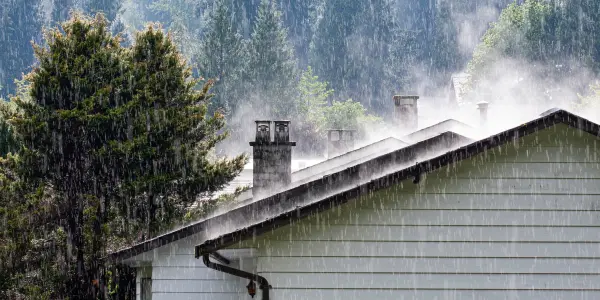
263,283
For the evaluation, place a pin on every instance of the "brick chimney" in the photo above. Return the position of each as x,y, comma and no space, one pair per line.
406,112
340,141
272,158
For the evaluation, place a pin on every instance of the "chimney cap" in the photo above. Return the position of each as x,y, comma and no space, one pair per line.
482,104
405,99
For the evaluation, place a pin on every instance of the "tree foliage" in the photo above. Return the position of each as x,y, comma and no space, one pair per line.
363,50
317,112
222,57
557,39
272,67
118,140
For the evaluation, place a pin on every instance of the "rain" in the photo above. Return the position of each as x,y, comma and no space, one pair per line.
299,149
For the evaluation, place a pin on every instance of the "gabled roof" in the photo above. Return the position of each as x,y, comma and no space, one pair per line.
305,170
298,195
329,196
354,156
440,127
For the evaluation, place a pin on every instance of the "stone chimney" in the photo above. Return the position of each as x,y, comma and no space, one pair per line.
406,112
340,141
272,158
482,106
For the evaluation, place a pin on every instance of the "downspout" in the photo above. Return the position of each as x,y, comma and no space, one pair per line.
263,283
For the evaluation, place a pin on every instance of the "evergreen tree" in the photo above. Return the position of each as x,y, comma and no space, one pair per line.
20,23
524,32
447,57
222,57
330,51
358,48
272,68
299,17
175,169
29,257
63,126
186,22
117,135
578,31
245,13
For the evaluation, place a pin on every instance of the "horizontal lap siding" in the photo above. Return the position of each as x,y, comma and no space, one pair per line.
182,277
519,222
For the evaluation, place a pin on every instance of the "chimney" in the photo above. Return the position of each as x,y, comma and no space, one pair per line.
482,106
406,111
272,159
340,141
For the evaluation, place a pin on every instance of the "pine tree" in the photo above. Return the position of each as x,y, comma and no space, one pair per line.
355,46
20,24
62,126
222,57
446,57
245,13
116,135
272,69
176,168
299,17
330,51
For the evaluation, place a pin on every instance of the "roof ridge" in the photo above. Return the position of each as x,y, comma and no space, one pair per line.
343,195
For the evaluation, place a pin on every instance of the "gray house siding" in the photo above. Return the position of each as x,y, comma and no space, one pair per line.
177,275
521,221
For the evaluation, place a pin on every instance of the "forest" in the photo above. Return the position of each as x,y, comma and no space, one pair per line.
118,115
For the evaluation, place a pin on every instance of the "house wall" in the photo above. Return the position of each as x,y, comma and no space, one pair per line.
182,277
177,275
521,221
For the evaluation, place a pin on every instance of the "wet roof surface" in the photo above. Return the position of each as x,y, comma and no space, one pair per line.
345,183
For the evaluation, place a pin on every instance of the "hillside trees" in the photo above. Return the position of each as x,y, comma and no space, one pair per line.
20,24
271,72
109,8
222,57
61,8
363,51
300,17
330,51
558,41
115,135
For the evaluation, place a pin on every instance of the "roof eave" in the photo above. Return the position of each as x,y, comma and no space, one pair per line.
556,117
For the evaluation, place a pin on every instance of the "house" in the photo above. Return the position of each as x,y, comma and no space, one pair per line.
514,215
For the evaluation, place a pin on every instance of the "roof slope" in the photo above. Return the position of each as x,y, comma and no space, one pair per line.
300,194
275,219
307,170
440,127
366,152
